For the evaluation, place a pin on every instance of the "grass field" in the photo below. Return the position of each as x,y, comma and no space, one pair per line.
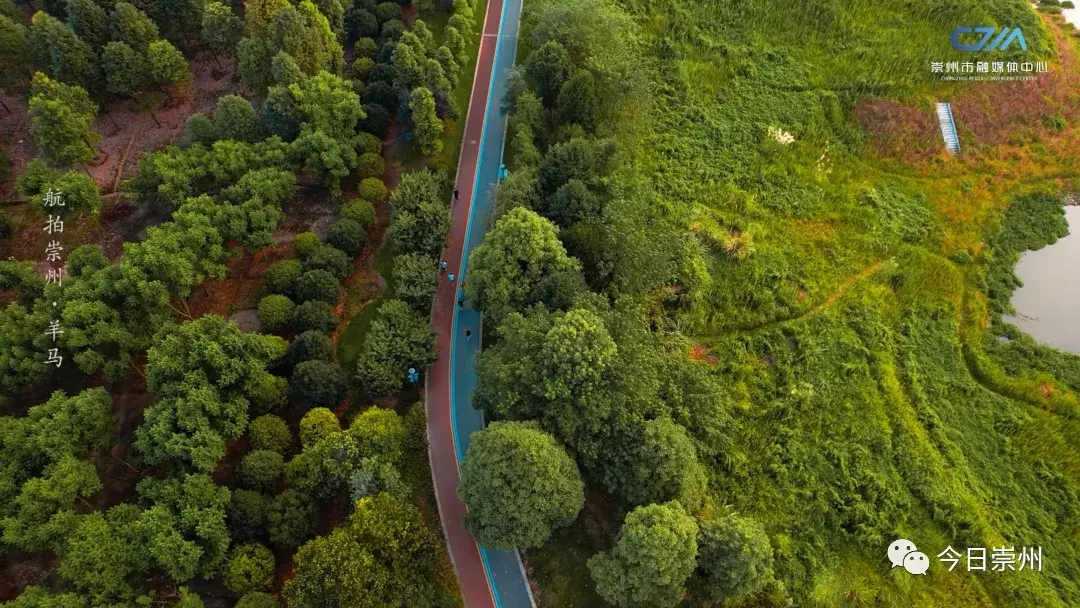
852,288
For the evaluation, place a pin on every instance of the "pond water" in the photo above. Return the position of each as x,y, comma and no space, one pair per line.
1046,305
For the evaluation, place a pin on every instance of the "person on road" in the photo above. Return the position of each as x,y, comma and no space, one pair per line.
442,266
455,195
461,301
451,277
468,334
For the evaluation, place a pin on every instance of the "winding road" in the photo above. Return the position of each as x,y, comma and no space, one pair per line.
489,578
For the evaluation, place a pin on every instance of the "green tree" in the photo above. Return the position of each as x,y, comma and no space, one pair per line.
305,34
253,57
291,519
249,514
315,316
104,554
335,571
399,539
518,485
61,117
167,65
579,101
127,71
259,15
43,513
330,259
415,278
426,123
184,524
384,556
79,191
261,469
235,118
89,21
276,312
318,424
132,27
14,51
653,556
317,384
657,463
360,211
318,285
191,419
379,432
509,265
285,70
76,425
269,432
221,28
36,597
281,277
735,558
347,236
398,339
250,568
419,228
309,346
70,59
371,189
549,66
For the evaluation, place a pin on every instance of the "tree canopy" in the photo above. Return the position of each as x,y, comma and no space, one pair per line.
518,485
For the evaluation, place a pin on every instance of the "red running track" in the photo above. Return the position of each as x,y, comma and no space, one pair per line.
464,552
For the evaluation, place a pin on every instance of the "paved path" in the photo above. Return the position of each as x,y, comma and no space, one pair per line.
488,578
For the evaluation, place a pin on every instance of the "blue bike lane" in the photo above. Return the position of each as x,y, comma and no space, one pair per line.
504,568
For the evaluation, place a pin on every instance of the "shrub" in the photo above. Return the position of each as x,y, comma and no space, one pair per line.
317,384
305,244
260,469
366,143
315,316
269,432
361,66
1068,4
281,277
318,424
365,47
310,346
360,211
1050,10
251,568
318,285
258,599
372,189
370,165
276,312
249,513
291,519
347,236
268,395
329,258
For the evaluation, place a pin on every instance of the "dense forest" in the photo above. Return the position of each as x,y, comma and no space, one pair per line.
744,320
170,457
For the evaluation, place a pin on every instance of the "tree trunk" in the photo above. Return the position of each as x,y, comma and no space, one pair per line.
7,109
154,116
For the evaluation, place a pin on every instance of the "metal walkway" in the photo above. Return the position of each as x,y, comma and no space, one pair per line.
948,127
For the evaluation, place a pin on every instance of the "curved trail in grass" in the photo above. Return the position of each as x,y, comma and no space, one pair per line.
845,286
